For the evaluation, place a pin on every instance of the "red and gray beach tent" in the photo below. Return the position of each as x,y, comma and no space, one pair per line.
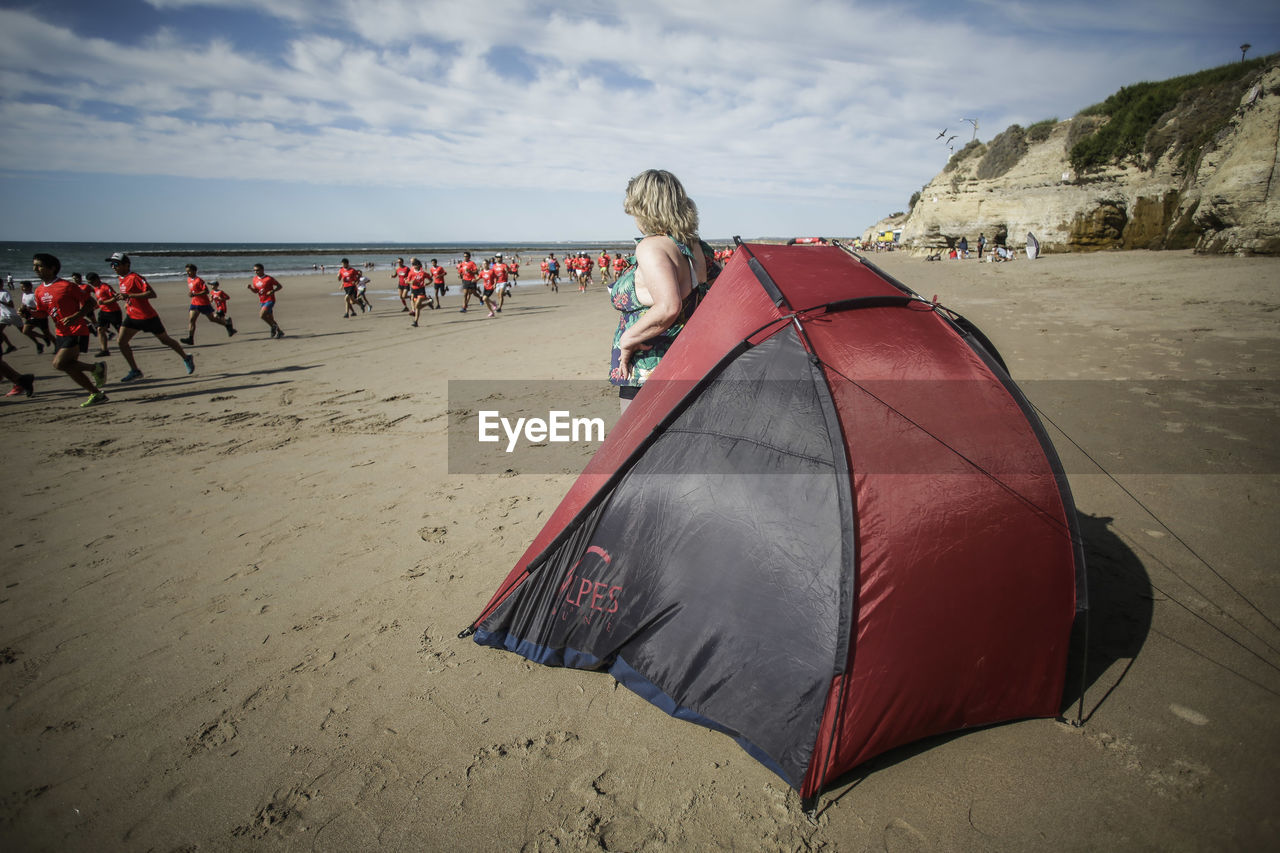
830,524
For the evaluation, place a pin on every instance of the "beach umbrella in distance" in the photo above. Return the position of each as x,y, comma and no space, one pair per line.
829,524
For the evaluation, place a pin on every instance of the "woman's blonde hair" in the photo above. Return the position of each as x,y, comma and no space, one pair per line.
658,202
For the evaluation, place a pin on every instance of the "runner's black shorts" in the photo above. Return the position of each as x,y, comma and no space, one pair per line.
150,324
61,342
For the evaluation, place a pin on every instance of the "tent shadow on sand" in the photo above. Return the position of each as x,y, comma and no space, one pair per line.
1119,619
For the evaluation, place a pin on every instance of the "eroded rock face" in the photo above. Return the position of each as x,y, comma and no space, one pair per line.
1227,202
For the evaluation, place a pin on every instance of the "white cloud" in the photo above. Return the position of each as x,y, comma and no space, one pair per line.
812,98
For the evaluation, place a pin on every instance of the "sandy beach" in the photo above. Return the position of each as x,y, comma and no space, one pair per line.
231,600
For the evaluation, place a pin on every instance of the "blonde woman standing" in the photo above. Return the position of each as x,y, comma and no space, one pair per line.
662,285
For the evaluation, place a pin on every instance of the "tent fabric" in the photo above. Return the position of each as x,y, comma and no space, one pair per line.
828,526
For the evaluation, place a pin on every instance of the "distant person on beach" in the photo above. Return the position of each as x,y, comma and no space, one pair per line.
109,314
200,304
69,308
470,275
140,316
35,323
964,247
619,265
982,244
266,287
437,274
349,277
657,296
401,272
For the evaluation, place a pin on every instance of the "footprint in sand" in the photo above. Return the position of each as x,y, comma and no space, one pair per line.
436,652
434,534
272,817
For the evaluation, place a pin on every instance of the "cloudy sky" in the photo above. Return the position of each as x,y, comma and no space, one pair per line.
412,120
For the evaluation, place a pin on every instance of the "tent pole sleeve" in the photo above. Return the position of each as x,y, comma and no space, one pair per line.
762,276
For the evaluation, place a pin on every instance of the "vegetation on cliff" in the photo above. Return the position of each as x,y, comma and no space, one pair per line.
1004,153
971,149
1128,124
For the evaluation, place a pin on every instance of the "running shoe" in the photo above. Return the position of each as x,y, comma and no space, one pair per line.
133,374
27,382
39,348
279,332
190,362
188,341
15,390
100,373
231,330
102,353
94,399
491,314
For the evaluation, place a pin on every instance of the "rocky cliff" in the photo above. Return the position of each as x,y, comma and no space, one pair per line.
1206,179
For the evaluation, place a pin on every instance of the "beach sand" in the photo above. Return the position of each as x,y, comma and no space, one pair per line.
231,599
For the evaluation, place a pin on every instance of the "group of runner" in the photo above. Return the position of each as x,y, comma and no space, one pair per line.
86,307
82,308
579,267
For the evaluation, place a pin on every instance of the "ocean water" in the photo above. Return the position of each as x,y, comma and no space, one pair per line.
161,262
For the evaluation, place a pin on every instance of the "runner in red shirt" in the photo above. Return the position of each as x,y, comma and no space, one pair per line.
469,273
69,308
435,274
417,279
487,287
87,289
501,281
399,275
619,265
108,312
350,278
140,316
219,298
266,286
200,305
604,267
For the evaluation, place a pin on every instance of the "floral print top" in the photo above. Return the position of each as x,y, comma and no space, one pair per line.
623,294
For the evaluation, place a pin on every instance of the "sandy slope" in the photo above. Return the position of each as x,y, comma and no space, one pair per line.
231,600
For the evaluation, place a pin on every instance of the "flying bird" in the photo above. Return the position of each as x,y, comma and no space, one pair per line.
951,137
944,133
